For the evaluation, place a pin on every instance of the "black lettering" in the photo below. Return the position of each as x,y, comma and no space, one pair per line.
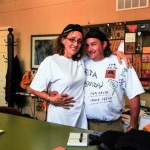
94,75
90,73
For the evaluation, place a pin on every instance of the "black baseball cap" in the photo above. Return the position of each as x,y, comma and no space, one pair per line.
72,27
96,34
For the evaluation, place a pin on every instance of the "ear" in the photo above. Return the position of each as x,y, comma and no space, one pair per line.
104,44
63,40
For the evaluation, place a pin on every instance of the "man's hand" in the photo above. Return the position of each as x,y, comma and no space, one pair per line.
62,100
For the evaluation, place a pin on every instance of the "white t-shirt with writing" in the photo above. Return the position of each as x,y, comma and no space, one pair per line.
107,82
65,76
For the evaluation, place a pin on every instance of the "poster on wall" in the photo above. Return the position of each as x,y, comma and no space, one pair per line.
41,47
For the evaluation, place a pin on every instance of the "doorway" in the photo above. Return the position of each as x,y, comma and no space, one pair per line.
3,64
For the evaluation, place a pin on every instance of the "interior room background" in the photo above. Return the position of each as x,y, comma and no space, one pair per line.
35,17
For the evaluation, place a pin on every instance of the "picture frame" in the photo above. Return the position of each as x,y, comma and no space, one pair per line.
117,32
146,58
130,48
130,37
41,47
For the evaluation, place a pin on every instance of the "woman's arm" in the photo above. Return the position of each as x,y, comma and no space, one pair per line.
120,55
62,100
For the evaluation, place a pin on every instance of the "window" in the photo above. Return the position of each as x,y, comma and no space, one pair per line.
131,4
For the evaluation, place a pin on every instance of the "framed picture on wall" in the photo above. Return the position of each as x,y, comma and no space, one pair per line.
130,37
146,58
41,47
130,48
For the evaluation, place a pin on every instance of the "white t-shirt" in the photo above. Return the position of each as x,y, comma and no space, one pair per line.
65,76
106,84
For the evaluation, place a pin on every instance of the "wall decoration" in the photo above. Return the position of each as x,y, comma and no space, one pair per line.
146,49
117,32
146,39
146,58
41,47
130,48
130,37
145,66
145,73
131,28
144,27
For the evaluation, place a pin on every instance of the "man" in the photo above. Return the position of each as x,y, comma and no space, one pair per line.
107,81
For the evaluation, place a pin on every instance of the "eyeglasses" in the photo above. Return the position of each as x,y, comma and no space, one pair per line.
74,41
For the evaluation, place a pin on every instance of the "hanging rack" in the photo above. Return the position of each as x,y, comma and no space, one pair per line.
10,52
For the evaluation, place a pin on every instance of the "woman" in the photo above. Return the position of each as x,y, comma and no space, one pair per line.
64,72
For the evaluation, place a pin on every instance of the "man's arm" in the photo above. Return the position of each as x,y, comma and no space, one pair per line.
134,111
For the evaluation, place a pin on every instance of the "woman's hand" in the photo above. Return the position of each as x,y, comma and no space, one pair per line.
62,100
56,99
120,55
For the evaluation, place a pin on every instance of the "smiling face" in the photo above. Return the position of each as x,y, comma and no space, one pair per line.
72,43
95,49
